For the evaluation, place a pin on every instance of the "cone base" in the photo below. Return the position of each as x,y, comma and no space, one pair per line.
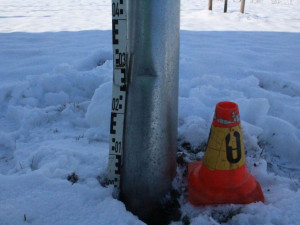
208,187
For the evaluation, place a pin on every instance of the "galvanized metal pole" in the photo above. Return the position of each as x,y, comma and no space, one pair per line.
150,143
209,4
242,6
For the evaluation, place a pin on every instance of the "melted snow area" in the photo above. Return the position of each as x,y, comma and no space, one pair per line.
55,97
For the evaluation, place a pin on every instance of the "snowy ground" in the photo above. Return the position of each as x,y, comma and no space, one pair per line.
55,91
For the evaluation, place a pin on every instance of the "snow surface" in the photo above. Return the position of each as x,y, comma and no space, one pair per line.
55,96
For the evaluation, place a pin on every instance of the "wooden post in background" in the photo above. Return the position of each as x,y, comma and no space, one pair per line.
242,6
209,4
225,5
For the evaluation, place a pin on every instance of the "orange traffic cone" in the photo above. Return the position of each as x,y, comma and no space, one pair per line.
222,177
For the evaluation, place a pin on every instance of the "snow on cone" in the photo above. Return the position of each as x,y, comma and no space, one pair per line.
222,177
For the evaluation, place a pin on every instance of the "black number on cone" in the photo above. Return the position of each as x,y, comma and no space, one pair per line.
229,149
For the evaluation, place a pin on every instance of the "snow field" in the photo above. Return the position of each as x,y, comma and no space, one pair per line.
55,98
43,141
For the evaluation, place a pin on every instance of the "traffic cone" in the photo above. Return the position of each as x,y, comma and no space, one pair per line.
222,177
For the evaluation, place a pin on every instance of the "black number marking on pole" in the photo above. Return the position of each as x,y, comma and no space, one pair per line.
115,104
118,9
118,100
118,146
229,149
115,9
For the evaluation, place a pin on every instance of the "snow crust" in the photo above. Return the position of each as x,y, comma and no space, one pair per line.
55,98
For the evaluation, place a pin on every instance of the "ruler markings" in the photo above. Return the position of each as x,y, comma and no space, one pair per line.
119,40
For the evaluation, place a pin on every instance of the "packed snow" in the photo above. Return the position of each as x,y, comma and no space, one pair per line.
55,97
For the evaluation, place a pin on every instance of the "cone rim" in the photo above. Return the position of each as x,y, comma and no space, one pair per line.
226,114
226,106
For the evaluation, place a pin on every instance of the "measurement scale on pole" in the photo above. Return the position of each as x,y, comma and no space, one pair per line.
119,39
